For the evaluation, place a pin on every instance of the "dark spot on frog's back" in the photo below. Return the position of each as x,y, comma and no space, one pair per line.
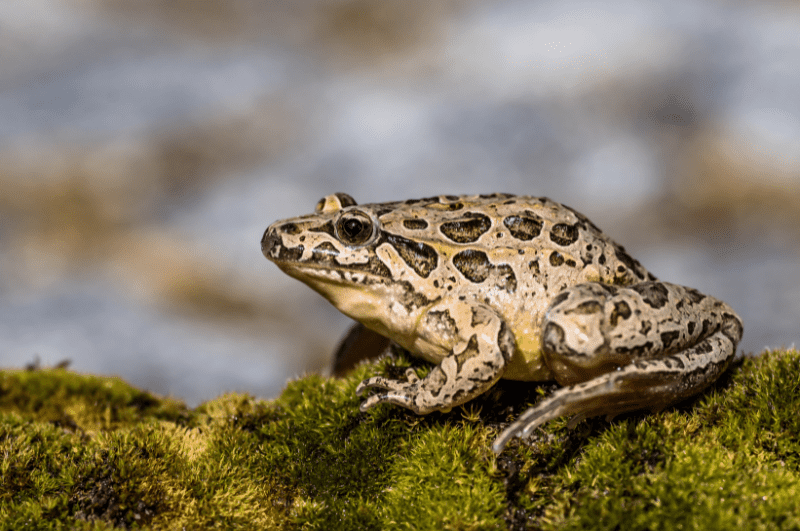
495,196
694,296
563,234
507,280
608,288
653,293
419,257
448,206
556,259
582,218
415,224
467,229
587,308
474,265
631,263
524,227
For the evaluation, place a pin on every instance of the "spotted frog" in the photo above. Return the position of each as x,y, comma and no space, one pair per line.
503,286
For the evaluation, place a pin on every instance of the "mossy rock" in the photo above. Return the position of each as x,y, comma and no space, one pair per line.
84,452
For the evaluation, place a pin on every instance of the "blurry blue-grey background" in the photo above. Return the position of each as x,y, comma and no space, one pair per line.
145,146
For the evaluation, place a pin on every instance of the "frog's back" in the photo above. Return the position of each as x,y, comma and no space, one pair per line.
515,253
546,244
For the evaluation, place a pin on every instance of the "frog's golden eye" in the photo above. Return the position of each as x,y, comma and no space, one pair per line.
354,228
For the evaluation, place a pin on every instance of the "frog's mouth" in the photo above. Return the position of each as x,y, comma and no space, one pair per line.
312,273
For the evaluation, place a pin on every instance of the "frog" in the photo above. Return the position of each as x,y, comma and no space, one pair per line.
501,286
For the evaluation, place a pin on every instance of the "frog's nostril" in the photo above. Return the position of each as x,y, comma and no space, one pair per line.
270,241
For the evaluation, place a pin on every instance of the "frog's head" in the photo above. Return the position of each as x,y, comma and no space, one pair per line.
339,237
360,257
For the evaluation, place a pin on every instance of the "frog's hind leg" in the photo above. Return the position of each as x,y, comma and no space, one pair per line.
624,349
652,384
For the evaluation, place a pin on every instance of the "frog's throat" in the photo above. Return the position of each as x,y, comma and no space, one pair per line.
364,297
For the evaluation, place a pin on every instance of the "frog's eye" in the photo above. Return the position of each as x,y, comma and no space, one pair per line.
354,228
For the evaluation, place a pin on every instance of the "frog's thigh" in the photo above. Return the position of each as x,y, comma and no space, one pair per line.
593,328
479,344
645,346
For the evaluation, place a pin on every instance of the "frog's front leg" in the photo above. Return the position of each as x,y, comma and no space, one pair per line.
648,345
478,345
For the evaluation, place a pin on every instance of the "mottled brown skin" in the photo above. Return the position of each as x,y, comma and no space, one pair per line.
503,286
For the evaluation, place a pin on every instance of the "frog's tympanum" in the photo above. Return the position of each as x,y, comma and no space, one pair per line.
502,286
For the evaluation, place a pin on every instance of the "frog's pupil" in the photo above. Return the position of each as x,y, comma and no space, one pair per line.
353,227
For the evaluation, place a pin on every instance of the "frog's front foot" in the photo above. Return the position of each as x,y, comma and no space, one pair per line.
406,394
481,346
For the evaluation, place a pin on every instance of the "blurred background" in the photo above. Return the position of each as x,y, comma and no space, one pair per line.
145,146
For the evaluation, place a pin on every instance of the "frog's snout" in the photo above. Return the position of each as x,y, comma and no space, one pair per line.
271,243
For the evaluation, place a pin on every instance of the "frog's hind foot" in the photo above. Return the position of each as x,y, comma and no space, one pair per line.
601,396
645,384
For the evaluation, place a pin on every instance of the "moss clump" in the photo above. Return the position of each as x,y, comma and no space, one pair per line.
82,452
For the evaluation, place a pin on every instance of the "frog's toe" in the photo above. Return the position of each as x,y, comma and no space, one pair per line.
396,397
389,392
371,402
376,382
522,428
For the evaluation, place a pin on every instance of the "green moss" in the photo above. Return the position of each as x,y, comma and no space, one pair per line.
442,478
84,452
